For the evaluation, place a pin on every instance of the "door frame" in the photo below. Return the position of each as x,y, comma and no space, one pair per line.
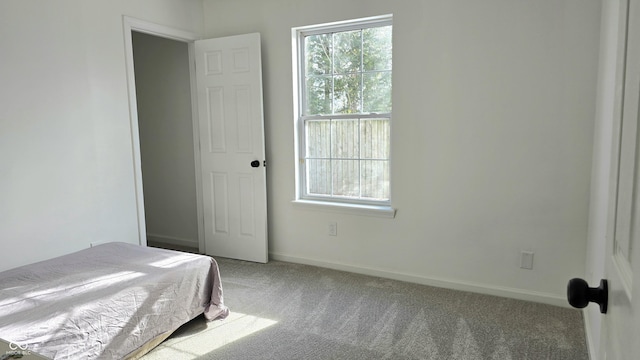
131,24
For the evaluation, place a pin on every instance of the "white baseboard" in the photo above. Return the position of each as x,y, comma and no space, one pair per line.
172,240
519,294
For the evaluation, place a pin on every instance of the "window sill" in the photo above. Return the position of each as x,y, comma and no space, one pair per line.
355,209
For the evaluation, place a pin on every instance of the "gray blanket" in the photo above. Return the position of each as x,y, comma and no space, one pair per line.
106,301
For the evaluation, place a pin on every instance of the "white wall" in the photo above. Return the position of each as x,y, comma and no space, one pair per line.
494,104
493,130
66,170
163,87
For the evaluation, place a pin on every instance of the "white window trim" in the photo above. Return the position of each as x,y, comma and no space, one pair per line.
348,205
347,208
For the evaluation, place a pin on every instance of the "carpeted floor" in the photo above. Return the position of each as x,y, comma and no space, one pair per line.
289,311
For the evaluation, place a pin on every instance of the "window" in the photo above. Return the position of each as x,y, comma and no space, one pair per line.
344,111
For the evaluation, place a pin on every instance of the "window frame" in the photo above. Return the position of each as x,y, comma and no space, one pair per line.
299,93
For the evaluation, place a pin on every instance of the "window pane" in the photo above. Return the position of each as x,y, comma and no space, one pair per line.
374,139
318,177
344,139
348,97
317,49
376,48
318,97
377,92
375,179
346,178
318,138
347,47
346,75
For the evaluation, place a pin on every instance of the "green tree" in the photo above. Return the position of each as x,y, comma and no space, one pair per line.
348,73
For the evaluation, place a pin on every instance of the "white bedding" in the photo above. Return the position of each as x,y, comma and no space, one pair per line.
106,301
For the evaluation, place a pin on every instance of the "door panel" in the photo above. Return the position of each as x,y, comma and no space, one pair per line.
215,120
621,324
229,83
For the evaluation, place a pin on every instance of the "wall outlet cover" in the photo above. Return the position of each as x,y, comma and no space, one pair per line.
526,260
333,228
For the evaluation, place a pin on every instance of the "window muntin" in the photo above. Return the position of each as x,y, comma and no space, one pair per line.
345,111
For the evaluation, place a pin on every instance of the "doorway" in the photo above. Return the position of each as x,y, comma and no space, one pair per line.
163,99
230,180
154,36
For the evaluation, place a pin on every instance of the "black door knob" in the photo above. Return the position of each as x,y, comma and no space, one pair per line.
255,163
580,294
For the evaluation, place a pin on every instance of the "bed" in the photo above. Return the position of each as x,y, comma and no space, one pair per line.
111,301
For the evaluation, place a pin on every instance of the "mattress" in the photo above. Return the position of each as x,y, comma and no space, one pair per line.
108,301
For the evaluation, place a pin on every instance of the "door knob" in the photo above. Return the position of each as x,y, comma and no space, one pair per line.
580,294
255,163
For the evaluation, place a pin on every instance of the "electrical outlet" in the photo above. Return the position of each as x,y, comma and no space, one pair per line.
526,260
333,228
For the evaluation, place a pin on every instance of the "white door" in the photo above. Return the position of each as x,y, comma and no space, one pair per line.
229,86
621,324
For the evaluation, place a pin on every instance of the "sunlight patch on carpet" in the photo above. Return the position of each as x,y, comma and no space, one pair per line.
216,335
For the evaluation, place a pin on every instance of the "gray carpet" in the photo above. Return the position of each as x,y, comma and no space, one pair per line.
289,311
